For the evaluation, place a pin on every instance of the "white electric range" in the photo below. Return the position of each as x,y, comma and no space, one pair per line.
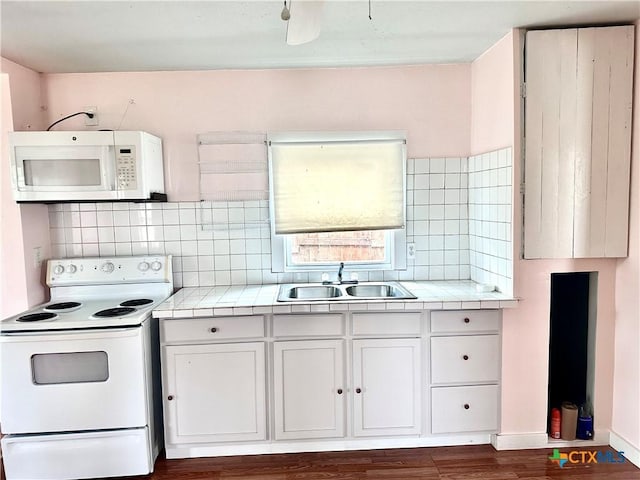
79,374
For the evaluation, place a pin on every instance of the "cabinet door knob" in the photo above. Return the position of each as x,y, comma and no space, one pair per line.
466,406
213,329
339,391
170,397
466,320
358,390
465,357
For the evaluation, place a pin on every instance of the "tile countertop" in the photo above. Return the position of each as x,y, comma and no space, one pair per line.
261,299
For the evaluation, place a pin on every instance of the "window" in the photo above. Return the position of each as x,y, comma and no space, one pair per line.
359,250
337,198
365,246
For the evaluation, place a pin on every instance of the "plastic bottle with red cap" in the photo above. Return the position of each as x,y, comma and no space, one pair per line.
554,431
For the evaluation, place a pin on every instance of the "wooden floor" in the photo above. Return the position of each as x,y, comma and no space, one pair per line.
444,463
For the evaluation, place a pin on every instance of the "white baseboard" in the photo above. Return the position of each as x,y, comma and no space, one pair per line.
631,452
519,441
217,450
523,441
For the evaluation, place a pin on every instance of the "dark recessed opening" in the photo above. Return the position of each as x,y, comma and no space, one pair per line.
572,325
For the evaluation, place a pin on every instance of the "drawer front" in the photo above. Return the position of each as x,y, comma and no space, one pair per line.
212,328
464,409
459,321
392,323
321,325
471,358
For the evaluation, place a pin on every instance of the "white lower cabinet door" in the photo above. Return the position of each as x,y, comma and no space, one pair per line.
309,390
214,393
464,409
386,387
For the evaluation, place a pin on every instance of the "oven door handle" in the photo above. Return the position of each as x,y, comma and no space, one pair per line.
79,334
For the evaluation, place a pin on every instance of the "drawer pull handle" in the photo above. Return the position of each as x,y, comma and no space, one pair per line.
466,406
466,320
358,390
339,391
170,397
465,357
213,329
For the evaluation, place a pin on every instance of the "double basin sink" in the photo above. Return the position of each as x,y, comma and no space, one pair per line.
310,292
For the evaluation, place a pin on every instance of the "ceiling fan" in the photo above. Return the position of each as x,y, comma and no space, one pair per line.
304,20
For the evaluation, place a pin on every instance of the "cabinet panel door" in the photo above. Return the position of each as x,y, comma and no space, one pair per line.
309,390
465,321
309,325
388,323
212,329
464,409
464,359
214,392
578,142
386,387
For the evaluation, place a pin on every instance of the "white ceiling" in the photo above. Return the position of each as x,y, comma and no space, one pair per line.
93,36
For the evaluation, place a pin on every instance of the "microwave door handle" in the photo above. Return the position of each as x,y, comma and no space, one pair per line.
109,175
19,175
17,167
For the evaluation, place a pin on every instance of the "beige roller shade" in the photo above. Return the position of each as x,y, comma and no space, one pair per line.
343,185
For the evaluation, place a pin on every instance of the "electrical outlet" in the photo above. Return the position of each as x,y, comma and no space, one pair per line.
91,122
411,251
37,257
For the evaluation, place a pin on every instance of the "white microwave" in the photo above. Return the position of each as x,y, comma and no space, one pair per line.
86,166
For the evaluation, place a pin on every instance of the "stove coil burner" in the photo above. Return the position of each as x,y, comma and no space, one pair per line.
114,312
62,306
136,302
37,317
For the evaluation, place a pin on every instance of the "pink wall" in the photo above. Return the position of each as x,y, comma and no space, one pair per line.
13,285
24,227
491,100
35,234
430,102
26,96
626,393
525,344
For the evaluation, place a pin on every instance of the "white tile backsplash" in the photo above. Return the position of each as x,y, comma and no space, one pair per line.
439,214
490,213
458,217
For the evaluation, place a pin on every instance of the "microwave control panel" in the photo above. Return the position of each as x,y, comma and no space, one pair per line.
126,165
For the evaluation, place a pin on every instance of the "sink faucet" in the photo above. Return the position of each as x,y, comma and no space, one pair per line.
340,272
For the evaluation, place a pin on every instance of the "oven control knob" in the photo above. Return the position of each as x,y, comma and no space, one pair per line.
143,266
72,268
107,267
155,266
58,269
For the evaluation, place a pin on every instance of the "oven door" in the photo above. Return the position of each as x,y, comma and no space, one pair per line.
73,381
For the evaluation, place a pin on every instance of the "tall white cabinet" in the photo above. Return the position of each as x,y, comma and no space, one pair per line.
578,110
